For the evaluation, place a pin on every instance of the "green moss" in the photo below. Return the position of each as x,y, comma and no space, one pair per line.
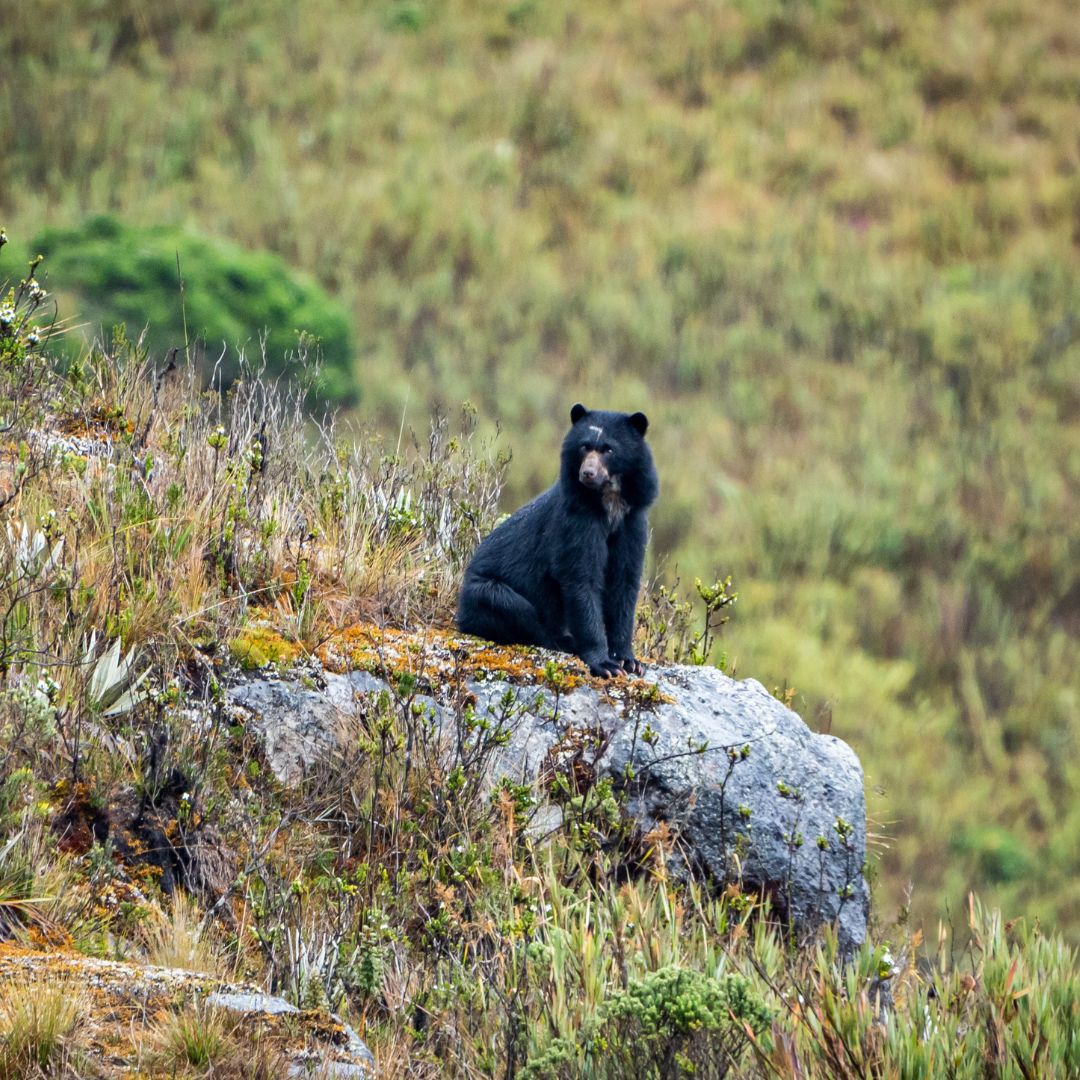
259,646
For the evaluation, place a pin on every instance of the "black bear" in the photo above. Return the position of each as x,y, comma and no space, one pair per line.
564,571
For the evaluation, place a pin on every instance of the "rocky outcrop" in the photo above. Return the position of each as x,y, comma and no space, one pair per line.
119,997
750,794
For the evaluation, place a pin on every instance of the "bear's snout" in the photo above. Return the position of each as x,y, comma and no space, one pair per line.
593,473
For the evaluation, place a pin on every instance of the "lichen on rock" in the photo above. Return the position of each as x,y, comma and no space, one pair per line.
754,797
122,996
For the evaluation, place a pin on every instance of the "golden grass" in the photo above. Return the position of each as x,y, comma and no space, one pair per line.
175,937
42,1027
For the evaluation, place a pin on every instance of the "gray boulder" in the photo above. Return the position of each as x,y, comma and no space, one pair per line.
299,724
751,794
354,1060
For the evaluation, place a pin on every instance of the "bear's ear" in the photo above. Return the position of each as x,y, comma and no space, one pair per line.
639,422
577,412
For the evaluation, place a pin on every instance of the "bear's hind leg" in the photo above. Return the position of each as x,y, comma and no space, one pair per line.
491,609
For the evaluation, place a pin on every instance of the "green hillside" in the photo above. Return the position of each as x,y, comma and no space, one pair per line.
832,248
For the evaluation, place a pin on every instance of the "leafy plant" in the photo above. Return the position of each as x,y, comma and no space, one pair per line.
670,1023
112,687
665,621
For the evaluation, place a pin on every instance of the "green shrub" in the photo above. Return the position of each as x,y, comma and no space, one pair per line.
672,1022
119,273
999,854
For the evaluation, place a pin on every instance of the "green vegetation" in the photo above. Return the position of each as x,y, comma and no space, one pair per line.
831,247
231,299
154,527
201,1042
675,1021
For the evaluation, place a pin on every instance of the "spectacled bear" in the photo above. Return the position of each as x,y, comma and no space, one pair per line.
564,571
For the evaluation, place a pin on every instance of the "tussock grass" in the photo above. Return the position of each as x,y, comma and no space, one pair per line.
206,1042
195,1041
41,1029
40,888
176,937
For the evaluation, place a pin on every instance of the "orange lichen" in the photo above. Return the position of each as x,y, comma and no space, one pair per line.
636,692
49,936
434,656
99,421
439,655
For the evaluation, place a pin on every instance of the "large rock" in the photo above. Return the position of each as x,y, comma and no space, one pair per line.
753,796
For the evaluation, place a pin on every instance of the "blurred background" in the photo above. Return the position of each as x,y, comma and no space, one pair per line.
831,247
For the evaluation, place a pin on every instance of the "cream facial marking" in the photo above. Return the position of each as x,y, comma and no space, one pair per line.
598,430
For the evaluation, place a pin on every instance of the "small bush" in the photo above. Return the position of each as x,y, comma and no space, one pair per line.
120,273
26,377
672,1022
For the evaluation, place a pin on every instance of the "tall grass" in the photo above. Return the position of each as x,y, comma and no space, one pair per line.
833,247
165,536
41,1028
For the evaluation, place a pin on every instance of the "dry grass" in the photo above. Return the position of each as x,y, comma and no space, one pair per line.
207,506
175,938
192,1042
41,890
213,1044
41,1029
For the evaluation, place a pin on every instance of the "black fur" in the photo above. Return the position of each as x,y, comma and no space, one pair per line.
564,571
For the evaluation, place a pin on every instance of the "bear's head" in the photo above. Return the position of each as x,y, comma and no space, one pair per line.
605,456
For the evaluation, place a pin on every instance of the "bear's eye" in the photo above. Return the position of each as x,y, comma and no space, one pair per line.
605,449
584,448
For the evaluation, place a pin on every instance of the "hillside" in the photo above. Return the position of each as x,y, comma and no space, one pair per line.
832,248
176,556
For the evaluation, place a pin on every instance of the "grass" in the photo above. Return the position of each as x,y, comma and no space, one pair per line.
140,818
41,1029
833,248
195,1042
207,1042
175,937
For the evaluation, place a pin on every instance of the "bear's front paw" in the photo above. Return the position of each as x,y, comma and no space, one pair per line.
603,667
631,665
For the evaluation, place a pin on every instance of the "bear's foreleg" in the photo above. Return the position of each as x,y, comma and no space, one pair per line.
581,579
626,560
